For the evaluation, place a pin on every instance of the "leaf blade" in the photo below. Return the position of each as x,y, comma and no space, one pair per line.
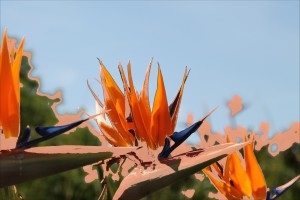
20,165
137,185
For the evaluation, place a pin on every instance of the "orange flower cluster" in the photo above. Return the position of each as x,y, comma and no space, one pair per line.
235,182
129,112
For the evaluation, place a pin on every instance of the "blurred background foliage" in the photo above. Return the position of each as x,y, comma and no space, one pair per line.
36,111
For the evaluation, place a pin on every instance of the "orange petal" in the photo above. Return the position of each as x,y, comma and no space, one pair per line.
128,112
141,121
144,96
218,169
110,88
160,120
9,104
258,183
227,170
12,54
238,175
227,190
227,165
115,104
16,69
112,136
144,102
115,121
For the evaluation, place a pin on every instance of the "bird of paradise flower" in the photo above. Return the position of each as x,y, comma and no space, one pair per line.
133,123
130,114
235,182
41,160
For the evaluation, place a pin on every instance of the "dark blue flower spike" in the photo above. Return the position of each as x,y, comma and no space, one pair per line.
278,191
48,132
180,137
177,99
23,138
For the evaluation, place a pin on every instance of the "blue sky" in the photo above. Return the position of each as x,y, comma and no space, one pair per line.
249,48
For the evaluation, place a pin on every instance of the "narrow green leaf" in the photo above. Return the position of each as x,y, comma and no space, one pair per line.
9,193
103,195
20,165
141,183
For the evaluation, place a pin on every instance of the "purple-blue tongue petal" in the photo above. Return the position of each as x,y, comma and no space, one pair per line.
56,130
180,137
23,138
278,191
48,132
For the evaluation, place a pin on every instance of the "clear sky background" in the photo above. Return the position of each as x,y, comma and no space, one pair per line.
249,48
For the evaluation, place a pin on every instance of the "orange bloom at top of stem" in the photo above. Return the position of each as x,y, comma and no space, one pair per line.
130,114
234,181
10,63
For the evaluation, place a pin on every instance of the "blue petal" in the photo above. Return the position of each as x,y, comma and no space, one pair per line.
278,191
23,138
56,130
166,150
48,132
175,101
180,137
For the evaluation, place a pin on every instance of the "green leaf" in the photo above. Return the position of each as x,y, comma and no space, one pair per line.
141,183
103,195
9,193
20,165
